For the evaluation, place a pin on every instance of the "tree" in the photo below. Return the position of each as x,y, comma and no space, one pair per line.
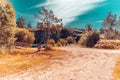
110,21
88,27
47,18
7,26
40,25
24,35
118,24
29,25
111,26
21,22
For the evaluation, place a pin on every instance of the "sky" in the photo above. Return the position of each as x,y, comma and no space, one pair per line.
75,13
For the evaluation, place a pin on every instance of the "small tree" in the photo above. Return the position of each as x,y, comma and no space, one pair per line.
47,18
111,26
7,26
88,27
110,21
21,22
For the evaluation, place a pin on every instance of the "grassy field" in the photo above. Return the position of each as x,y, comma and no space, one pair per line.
20,60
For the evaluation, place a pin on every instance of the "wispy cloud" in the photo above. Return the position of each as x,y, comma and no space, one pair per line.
68,10
100,21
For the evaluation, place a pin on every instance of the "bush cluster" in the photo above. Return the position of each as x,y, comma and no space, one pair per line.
63,42
51,42
90,38
108,44
24,35
70,40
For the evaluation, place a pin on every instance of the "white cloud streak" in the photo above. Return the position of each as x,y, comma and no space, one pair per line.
100,21
68,10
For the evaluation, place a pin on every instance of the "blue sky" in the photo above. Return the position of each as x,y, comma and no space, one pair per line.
75,13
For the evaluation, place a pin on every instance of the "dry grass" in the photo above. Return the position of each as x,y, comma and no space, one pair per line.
108,44
116,72
20,60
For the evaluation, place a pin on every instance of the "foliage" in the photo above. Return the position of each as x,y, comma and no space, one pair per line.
48,21
88,27
65,33
89,39
51,42
70,40
24,35
59,44
111,26
21,22
7,25
110,21
108,44
63,42
112,34
40,25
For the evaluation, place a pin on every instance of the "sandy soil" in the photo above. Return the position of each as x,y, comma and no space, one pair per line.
82,64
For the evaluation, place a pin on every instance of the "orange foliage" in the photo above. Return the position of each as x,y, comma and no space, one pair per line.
108,44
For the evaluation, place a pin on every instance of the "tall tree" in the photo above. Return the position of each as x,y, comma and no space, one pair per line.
7,26
110,21
48,19
21,22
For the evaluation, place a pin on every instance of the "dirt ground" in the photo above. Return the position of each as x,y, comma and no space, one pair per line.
81,64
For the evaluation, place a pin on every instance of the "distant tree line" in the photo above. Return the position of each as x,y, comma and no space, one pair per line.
111,26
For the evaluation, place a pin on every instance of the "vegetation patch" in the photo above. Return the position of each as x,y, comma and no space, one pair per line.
90,38
108,44
20,60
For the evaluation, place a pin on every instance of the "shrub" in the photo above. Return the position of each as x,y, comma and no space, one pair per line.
7,25
70,40
59,44
48,48
89,39
108,44
51,42
24,35
63,42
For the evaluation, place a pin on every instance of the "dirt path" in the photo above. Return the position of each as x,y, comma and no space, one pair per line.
82,64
